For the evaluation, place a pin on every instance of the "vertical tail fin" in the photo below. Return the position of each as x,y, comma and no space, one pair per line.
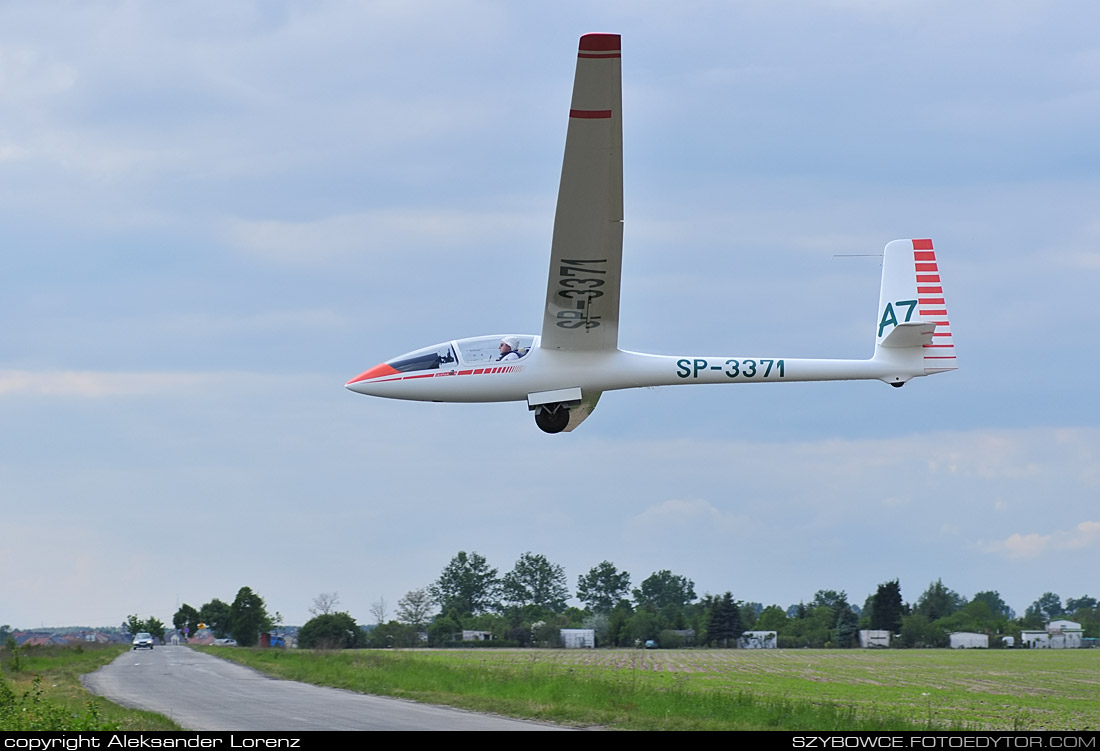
914,330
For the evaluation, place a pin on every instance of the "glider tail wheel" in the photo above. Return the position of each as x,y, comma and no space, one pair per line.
552,418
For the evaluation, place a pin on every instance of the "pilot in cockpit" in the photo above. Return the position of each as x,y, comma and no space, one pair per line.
509,348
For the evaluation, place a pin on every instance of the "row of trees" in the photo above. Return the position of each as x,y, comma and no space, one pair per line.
134,625
527,607
530,600
243,620
469,586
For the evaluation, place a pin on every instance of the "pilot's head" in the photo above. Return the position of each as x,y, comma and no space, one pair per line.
509,344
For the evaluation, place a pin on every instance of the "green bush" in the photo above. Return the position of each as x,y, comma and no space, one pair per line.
32,711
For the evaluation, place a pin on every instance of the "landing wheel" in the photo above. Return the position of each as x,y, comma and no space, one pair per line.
552,420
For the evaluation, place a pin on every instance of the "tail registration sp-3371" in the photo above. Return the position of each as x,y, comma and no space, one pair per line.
562,372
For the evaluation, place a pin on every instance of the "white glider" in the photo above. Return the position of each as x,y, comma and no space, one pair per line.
562,373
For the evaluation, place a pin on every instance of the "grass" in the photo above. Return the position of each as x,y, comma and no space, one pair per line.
40,690
726,690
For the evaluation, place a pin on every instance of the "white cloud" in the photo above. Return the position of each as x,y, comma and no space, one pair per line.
685,514
1033,545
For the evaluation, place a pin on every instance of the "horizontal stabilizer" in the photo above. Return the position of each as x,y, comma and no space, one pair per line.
912,334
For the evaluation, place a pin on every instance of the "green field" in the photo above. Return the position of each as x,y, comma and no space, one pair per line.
727,689
40,690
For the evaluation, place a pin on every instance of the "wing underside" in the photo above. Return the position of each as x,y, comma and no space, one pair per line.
582,293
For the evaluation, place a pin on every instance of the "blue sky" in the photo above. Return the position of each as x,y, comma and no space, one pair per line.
211,217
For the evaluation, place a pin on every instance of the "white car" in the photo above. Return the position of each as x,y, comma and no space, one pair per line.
143,640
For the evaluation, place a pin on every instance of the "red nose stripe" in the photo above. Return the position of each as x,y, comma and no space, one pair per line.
376,372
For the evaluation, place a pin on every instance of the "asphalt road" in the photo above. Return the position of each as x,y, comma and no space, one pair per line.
200,692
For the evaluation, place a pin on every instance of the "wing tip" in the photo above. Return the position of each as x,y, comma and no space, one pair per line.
601,42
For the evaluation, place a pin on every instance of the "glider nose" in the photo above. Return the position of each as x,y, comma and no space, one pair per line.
361,383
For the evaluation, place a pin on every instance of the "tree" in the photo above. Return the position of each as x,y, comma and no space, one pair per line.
467,585
1073,604
152,625
723,620
830,598
415,608
602,587
617,621
772,618
643,626
847,627
325,603
887,608
378,610
1048,606
664,588
215,615
186,619
155,626
536,581
248,617
331,631
394,635
917,631
938,601
750,611
996,605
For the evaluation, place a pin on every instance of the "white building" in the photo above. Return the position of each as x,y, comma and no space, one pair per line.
874,638
578,638
1057,635
968,640
758,640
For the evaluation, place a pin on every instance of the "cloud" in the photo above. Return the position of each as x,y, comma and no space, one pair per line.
684,514
1034,545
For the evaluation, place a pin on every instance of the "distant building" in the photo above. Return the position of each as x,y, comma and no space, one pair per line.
477,636
968,640
1059,634
758,640
578,638
874,638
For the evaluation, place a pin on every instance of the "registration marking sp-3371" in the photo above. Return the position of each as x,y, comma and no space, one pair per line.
562,372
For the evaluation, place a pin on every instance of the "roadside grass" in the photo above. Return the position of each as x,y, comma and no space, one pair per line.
40,689
532,684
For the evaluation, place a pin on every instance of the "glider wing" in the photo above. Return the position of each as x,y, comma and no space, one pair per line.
582,292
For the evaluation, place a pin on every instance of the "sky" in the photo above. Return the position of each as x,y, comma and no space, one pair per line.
213,215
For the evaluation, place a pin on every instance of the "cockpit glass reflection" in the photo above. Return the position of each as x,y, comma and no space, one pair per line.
429,358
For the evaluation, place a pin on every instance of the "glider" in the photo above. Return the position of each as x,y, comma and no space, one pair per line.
562,372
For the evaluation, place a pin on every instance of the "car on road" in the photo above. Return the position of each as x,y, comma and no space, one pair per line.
143,640
224,643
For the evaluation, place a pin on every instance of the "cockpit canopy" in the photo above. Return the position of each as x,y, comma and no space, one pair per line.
476,351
